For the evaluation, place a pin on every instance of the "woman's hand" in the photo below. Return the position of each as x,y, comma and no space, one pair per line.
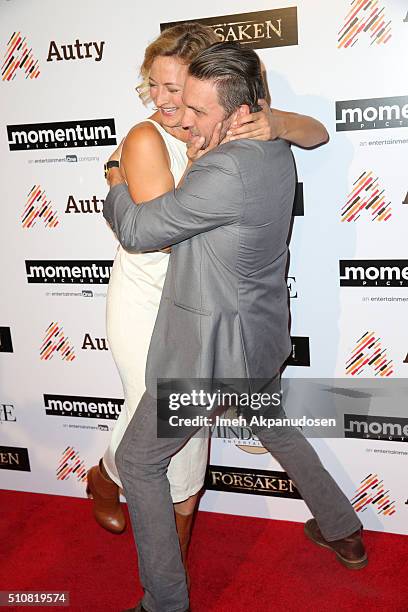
263,125
270,124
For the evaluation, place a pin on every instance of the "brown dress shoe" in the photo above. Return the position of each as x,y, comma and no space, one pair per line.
350,551
107,509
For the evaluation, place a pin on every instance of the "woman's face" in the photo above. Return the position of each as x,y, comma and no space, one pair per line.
166,82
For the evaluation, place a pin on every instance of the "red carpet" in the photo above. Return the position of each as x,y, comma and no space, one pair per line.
237,564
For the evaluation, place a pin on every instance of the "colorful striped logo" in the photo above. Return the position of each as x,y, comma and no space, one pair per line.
369,354
38,207
54,342
19,56
71,463
364,16
366,194
372,492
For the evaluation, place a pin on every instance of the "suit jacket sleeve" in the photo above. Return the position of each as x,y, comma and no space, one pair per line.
211,195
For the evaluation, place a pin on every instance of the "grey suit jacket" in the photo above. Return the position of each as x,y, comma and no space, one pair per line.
224,309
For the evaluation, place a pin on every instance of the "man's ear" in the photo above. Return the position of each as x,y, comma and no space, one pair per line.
240,112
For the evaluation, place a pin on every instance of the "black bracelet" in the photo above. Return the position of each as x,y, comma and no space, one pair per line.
113,163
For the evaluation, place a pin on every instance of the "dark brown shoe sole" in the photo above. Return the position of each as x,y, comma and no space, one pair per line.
355,565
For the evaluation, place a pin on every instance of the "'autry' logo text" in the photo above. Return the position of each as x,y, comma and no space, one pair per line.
39,208
75,51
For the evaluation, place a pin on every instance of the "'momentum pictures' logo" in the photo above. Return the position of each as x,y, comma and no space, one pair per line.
257,30
372,114
391,429
64,134
373,273
82,406
69,272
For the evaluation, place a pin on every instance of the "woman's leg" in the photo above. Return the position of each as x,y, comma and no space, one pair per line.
184,513
104,491
132,305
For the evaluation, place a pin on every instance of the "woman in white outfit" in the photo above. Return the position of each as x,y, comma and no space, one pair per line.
133,300
154,159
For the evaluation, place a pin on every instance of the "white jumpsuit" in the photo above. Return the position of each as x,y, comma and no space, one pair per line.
133,299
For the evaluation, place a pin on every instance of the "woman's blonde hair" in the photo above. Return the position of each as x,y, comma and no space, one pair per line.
184,41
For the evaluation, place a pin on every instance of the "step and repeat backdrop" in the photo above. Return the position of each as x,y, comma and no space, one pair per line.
68,78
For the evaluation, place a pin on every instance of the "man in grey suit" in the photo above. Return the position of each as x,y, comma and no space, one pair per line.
223,314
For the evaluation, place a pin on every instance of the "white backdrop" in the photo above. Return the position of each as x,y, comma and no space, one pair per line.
308,77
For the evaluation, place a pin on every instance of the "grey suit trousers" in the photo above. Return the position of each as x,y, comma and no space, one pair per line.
142,460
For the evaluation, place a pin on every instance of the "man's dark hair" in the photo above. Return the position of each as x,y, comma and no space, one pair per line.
236,72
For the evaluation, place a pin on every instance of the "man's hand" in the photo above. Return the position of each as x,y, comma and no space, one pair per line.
117,154
194,146
115,175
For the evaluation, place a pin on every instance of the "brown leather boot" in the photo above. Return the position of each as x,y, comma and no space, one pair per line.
350,551
184,523
105,494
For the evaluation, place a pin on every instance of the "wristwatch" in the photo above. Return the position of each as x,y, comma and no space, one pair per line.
113,163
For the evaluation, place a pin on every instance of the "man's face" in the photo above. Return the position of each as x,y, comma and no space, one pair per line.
203,111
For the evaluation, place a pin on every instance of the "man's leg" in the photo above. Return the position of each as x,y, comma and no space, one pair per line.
142,460
332,510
